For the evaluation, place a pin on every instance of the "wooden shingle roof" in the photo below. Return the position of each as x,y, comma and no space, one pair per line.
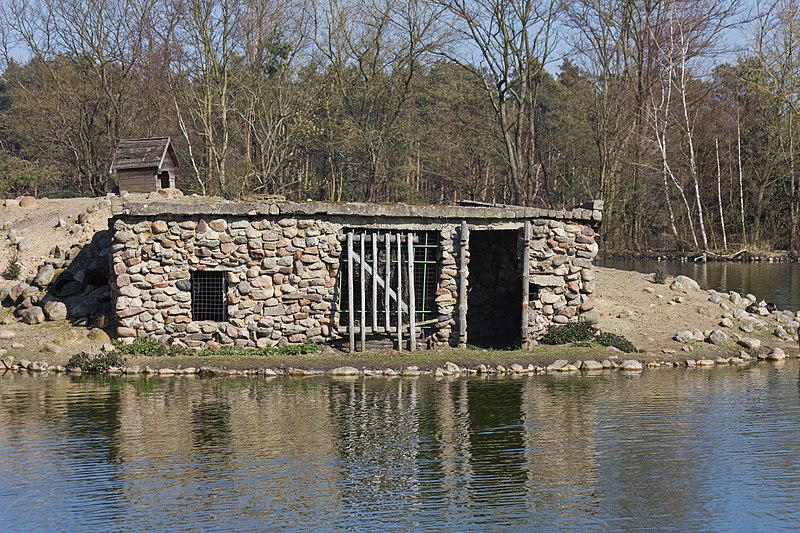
142,153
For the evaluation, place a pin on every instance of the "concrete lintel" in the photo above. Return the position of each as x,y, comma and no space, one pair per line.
200,206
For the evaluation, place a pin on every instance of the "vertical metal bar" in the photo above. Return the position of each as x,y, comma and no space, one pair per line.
374,283
526,287
350,309
462,284
387,280
399,293
412,319
363,274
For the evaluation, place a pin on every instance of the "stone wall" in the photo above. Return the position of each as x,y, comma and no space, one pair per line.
281,279
561,275
282,266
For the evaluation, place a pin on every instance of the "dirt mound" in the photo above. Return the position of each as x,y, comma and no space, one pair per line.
46,224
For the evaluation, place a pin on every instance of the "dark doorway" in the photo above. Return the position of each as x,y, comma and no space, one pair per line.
163,180
494,312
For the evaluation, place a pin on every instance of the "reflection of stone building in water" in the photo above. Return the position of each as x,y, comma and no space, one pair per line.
267,439
210,272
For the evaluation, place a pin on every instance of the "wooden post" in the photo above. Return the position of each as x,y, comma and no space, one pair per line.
526,277
399,293
363,273
374,283
412,319
350,310
386,284
462,285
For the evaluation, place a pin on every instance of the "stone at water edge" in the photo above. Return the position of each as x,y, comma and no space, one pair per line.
777,354
517,368
452,368
631,365
684,284
591,365
557,365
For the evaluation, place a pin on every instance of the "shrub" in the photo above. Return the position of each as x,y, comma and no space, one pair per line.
582,334
13,269
96,363
660,276
568,333
617,341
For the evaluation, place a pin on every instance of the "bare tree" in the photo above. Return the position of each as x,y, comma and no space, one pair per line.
513,41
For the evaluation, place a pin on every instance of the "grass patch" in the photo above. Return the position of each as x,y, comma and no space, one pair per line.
150,347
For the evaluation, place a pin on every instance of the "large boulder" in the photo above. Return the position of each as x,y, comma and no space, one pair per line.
718,338
16,293
684,284
24,244
750,343
55,310
685,336
88,304
44,276
32,315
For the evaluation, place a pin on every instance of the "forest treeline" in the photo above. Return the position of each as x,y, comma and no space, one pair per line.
682,115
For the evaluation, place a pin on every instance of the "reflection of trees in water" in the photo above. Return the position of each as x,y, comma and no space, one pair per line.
66,430
560,444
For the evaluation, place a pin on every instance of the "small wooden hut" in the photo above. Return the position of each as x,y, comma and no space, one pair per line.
145,165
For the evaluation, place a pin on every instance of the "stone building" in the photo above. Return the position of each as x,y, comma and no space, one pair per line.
208,272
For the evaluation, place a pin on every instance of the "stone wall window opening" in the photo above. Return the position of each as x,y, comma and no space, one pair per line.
427,259
209,295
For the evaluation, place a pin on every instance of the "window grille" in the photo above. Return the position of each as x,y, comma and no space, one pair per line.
426,278
209,295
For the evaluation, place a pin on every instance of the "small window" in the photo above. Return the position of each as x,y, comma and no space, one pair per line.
209,295
164,181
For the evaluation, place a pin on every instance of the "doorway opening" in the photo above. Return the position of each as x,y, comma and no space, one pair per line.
494,310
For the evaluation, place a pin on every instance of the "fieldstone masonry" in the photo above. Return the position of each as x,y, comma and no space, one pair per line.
282,265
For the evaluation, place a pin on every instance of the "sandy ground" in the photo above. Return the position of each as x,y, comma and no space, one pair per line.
629,304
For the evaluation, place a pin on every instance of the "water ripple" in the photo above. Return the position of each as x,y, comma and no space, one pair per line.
667,451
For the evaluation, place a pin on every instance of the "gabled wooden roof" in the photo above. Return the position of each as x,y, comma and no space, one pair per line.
142,153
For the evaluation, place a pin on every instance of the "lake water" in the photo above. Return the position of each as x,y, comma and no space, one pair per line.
665,450
778,283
